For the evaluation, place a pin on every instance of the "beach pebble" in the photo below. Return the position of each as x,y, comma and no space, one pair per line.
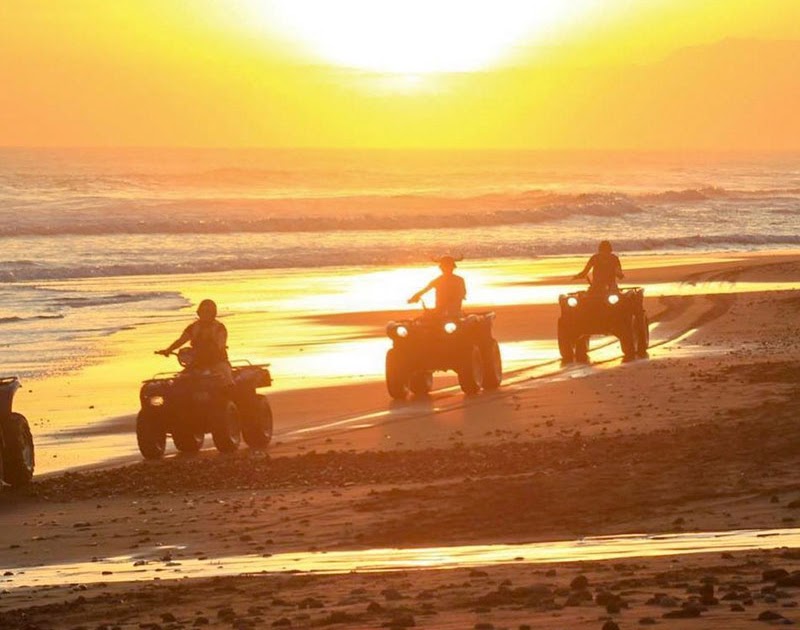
769,615
683,613
339,616
789,580
391,594
579,583
401,620
772,575
660,599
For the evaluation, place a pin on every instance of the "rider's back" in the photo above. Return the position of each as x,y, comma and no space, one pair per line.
450,293
605,267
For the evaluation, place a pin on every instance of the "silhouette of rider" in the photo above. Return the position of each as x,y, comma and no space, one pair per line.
605,267
450,289
209,340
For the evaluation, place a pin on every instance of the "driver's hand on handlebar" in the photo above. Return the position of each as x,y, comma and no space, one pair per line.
413,299
163,353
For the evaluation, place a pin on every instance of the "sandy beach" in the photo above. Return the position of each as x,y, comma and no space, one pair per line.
701,437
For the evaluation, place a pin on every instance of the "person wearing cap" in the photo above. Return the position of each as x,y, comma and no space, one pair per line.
209,340
450,289
606,269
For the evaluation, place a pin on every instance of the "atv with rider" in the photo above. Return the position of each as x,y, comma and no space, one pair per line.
196,401
617,312
432,343
16,442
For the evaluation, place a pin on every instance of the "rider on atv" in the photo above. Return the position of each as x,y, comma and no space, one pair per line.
209,340
450,289
606,269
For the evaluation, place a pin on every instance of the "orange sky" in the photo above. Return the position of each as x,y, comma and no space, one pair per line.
607,74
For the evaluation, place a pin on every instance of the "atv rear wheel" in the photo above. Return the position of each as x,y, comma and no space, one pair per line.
226,427
188,440
492,365
421,383
396,376
566,344
257,425
150,434
18,455
470,374
642,334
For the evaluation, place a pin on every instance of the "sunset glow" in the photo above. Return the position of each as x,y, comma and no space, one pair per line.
583,74
418,36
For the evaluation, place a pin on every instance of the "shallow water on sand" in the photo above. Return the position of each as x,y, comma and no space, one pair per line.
159,564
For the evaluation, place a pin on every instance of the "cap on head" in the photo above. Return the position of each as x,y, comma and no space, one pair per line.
604,247
447,262
207,309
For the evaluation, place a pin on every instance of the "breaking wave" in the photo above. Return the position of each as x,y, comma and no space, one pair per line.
220,216
399,252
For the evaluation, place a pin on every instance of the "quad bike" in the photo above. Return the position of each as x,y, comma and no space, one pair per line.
195,401
432,343
16,442
619,312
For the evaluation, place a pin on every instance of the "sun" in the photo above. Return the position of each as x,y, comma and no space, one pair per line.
415,37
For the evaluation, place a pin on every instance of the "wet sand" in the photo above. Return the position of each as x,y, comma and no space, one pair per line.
701,437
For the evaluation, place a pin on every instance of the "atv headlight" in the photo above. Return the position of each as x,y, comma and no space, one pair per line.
401,331
572,302
156,401
613,299
450,327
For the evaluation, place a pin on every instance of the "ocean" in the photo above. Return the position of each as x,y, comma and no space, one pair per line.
76,223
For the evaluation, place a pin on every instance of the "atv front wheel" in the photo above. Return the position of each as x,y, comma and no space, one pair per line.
188,440
492,365
396,377
226,428
150,434
470,374
257,425
18,456
566,345
421,383
627,340
582,349
642,334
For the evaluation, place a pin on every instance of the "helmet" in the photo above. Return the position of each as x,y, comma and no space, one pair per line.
208,308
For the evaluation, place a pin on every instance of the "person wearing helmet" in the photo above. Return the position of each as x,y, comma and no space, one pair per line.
450,289
605,267
209,340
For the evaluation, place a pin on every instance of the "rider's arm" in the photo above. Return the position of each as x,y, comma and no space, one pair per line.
586,269
222,337
184,338
416,297
618,270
